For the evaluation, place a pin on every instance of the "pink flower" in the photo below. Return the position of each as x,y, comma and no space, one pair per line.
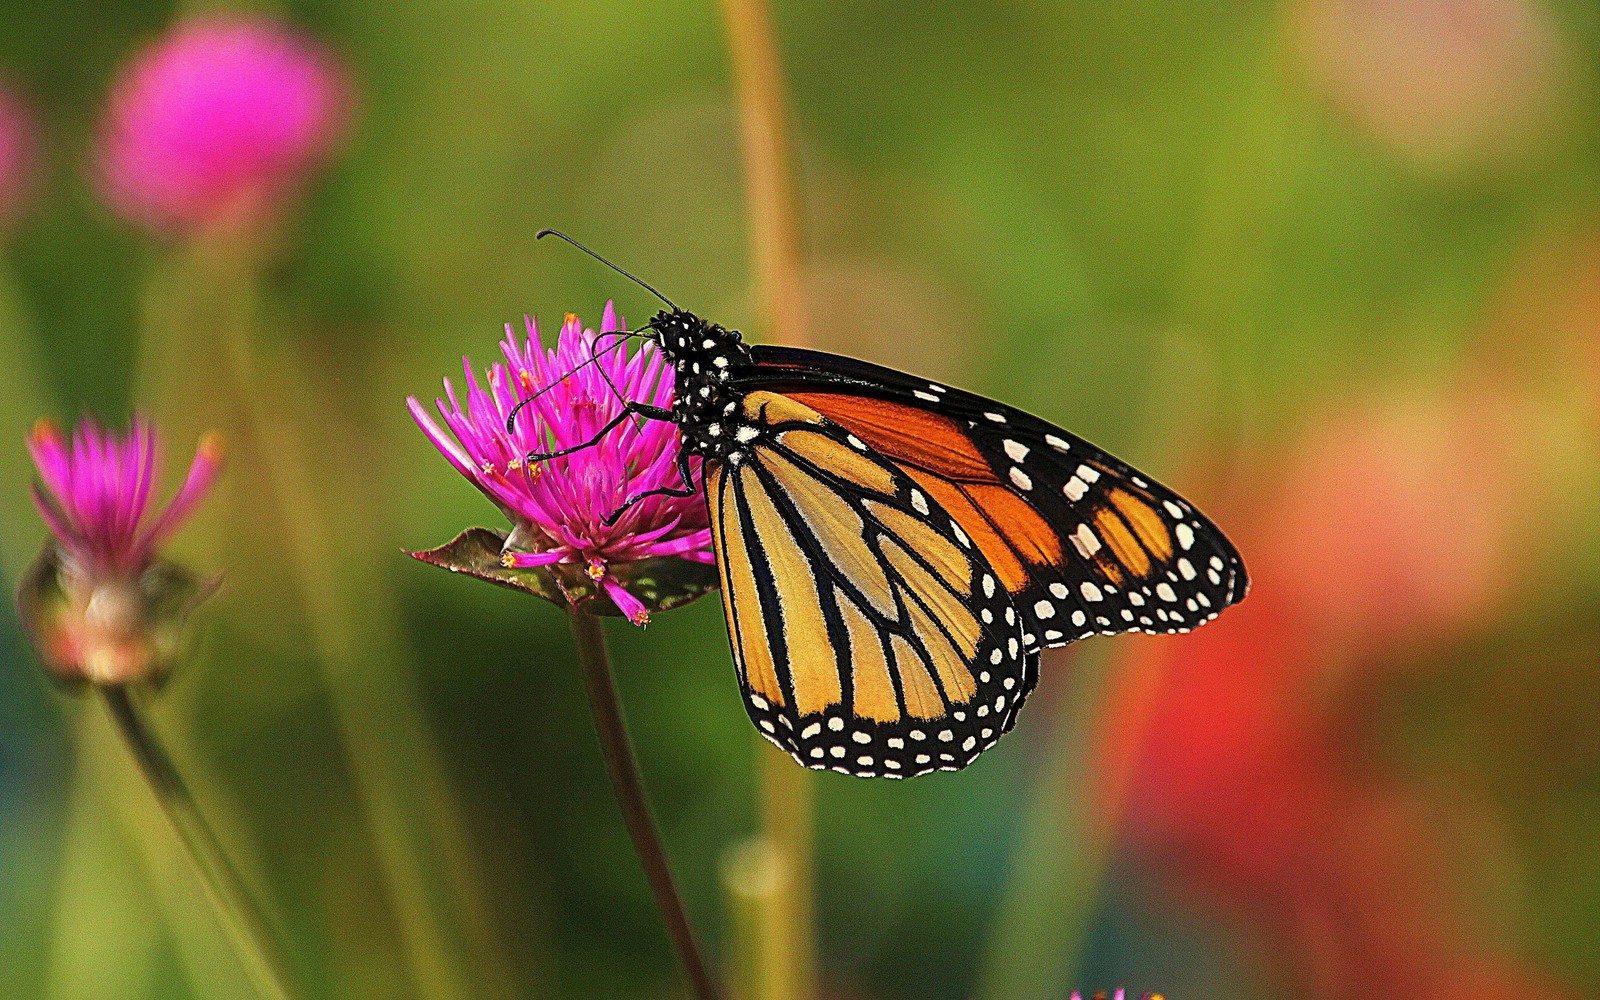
223,118
18,155
98,604
97,492
560,507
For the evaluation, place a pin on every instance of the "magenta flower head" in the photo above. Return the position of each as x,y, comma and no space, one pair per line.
655,556
220,121
18,156
98,603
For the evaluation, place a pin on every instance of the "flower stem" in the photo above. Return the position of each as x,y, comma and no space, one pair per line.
257,947
628,787
786,951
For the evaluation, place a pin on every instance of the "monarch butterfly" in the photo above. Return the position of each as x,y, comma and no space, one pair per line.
894,553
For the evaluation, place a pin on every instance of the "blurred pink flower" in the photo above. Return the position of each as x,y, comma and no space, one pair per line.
18,155
221,119
96,492
560,506
98,604
1440,82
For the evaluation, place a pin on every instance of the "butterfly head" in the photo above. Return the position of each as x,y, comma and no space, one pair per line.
697,347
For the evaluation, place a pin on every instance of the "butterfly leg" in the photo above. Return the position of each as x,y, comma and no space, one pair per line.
686,490
632,408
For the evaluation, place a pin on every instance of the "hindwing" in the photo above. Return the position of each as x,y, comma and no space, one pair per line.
870,633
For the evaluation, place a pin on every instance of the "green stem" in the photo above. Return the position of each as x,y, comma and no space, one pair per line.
628,787
784,944
252,937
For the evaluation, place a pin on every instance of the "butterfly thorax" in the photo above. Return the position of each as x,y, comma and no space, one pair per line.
705,406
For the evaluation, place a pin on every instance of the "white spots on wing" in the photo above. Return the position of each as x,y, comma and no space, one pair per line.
919,503
988,586
1056,443
1085,541
1016,449
969,743
923,758
1075,488
811,730
930,397
1011,616
1135,598
1185,536
1021,479
988,616
720,362
1053,635
836,724
1012,645
996,656
768,726
1059,590
1173,509
1078,618
759,702
1044,609
1165,592
1127,615
998,418
1088,474
896,743
1091,592
836,751
816,752
1214,577
1009,683
1187,569
855,442
861,737
961,536
946,735
746,434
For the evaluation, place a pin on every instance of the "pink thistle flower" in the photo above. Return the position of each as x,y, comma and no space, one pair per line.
657,554
18,155
98,604
222,119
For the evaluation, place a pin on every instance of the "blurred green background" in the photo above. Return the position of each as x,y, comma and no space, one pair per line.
1330,268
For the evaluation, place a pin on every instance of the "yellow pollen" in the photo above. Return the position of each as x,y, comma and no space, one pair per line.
641,618
597,569
507,561
526,378
212,447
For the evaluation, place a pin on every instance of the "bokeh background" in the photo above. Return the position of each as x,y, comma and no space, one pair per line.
1331,267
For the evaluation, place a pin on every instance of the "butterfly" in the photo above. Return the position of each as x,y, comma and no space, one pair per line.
894,553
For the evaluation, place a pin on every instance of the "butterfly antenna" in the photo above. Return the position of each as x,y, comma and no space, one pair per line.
642,284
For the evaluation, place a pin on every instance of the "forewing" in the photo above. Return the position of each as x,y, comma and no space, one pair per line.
870,634
1083,542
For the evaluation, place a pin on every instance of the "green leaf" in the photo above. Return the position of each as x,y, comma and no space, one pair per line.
661,584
